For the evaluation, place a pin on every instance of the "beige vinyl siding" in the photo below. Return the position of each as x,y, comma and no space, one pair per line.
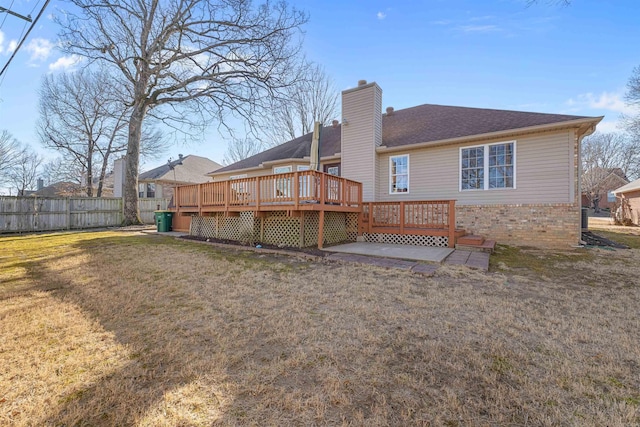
361,108
262,171
543,173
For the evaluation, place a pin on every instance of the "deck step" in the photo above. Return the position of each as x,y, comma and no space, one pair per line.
471,239
486,246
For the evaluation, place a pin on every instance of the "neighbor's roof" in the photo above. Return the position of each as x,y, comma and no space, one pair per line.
422,124
632,186
189,168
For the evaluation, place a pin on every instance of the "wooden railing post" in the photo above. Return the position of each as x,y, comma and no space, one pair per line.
343,183
199,198
227,192
401,218
296,189
370,224
452,223
257,193
323,188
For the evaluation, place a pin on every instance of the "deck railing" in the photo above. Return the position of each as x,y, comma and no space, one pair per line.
415,217
294,189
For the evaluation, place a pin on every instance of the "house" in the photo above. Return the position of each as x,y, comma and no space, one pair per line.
599,183
159,182
629,195
428,175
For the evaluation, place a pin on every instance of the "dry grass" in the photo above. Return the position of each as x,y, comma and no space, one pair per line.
115,329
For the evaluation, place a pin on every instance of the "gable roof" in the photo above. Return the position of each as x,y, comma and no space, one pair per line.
422,124
189,168
632,186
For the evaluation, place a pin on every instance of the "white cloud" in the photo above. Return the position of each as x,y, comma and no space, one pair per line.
39,48
381,15
612,101
1,41
610,126
13,44
478,28
65,63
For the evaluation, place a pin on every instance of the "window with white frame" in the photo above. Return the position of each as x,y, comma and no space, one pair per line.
488,167
399,174
239,187
282,185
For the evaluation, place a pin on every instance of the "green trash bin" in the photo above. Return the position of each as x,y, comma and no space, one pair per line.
164,220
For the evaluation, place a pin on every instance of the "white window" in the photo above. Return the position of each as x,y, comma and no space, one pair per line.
146,189
282,169
303,168
399,174
282,185
488,167
333,170
239,187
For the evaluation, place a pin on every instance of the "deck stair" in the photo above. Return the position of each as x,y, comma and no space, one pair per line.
472,242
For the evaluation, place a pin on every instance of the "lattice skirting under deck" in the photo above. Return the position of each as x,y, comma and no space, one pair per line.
406,239
277,228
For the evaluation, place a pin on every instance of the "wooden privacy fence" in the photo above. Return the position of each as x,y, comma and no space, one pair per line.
147,207
28,214
428,218
294,190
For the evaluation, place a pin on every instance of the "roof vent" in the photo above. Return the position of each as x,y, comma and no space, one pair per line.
334,123
180,156
362,82
389,111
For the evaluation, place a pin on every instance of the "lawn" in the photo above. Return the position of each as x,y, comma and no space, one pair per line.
118,329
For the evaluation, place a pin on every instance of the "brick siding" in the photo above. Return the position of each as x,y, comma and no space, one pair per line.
542,225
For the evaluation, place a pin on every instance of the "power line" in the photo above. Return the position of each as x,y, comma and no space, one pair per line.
33,24
5,16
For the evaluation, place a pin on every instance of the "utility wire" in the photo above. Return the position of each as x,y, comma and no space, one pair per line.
33,24
5,16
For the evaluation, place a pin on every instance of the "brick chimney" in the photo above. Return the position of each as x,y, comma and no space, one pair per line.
361,134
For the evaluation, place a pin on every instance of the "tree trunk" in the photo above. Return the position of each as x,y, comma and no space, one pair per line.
90,171
131,166
103,170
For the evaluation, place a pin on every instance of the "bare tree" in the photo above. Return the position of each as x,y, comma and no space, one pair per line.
186,61
10,150
632,122
602,153
63,169
82,115
24,173
240,149
312,98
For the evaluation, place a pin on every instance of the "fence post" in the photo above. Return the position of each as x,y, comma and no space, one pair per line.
68,213
401,218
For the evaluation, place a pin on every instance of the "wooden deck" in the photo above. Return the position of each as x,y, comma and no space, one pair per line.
295,191
422,218
316,191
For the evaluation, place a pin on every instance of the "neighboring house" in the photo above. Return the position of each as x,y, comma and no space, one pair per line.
600,183
630,197
509,175
159,182
60,189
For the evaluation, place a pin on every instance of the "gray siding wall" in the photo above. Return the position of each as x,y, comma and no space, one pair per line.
362,109
545,172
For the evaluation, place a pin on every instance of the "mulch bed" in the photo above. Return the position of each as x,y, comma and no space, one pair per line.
595,240
310,250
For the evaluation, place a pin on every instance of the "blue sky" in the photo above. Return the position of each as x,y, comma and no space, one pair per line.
492,53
